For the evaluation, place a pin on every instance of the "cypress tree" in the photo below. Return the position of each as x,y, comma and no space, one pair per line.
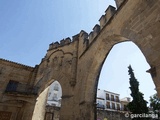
138,105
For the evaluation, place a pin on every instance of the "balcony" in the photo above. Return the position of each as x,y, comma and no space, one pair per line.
19,88
100,106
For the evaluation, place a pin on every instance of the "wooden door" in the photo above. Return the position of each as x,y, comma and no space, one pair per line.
5,115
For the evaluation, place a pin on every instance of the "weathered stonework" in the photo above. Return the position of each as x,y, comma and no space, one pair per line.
23,99
76,63
112,115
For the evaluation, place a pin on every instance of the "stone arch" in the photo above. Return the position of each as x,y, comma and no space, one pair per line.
41,101
103,48
55,86
54,98
58,64
137,27
43,93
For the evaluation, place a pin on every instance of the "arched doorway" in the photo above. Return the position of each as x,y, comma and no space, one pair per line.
48,103
53,101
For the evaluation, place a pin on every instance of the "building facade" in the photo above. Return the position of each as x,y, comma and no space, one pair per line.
110,106
108,100
124,102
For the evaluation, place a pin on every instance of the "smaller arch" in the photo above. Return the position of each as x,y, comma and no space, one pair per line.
48,101
54,94
53,103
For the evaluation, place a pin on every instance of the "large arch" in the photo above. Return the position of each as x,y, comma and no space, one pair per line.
140,25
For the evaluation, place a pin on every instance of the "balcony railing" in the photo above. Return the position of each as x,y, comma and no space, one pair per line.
16,87
100,106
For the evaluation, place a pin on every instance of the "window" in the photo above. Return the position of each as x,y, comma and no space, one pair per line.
113,105
56,87
118,107
12,86
107,96
117,99
108,105
112,97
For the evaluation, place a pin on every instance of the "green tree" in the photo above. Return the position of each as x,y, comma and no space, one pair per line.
138,105
155,104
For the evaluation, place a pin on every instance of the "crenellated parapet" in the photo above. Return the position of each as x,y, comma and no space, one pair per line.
65,41
54,45
62,43
85,39
119,2
94,33
110,11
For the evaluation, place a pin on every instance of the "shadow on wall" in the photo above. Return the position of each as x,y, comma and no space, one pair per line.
48,103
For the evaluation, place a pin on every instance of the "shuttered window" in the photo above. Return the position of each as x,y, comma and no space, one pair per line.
12,86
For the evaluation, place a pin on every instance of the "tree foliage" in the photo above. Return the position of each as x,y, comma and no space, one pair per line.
155,104
138,105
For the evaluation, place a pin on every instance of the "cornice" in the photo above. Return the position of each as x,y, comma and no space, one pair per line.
15,64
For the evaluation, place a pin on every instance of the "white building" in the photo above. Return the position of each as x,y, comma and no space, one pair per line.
109,101
53,101
54,94
124,102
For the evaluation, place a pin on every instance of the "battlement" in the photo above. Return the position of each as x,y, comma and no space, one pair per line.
119,2
62,43
110,11
84,38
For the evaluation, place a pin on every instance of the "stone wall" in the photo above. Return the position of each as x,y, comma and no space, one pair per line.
76,63
16,98
111,115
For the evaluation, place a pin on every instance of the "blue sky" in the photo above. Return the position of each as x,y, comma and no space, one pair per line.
27,27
